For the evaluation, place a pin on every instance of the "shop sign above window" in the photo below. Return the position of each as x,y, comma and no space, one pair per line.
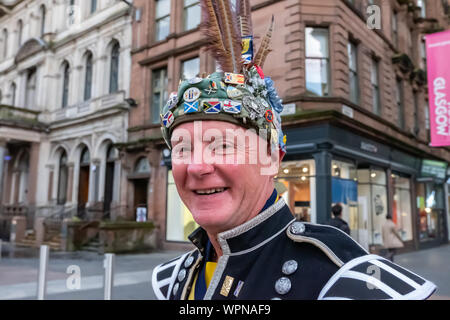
368,147
432,168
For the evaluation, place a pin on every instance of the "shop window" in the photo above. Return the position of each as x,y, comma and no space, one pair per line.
344,190
180,223
372,202
401,207
296,183
430,204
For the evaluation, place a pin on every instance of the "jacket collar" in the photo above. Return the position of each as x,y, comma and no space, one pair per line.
250,235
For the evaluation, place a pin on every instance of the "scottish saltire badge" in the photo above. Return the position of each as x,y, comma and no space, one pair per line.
191,94
211,106
191,107
234,78
233,107
168,119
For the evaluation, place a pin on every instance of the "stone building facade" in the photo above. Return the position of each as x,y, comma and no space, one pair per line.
64,84
352,75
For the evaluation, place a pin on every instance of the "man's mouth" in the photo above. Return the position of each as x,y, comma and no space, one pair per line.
205,192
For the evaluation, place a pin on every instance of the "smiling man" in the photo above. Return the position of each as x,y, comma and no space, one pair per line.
227,144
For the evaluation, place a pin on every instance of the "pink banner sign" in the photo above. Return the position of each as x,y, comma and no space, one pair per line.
438,64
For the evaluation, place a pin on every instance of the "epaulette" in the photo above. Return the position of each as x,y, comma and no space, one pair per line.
372,277
168,277
361,275
335,243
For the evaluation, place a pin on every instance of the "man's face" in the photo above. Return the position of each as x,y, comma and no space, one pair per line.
221,181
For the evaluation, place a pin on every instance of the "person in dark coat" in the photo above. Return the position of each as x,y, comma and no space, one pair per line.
337,220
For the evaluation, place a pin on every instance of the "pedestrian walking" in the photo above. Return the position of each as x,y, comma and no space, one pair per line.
391,238
337,220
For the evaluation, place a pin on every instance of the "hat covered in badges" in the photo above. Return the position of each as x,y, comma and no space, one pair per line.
241,94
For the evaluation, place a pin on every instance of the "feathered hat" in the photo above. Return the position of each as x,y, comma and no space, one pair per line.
240,94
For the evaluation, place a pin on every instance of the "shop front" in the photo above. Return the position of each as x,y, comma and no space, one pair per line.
326,165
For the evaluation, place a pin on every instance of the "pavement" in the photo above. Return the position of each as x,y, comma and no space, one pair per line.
132,273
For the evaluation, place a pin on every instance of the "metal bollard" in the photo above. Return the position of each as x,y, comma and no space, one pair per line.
43,266
108,264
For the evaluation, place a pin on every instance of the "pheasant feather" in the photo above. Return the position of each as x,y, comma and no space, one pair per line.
264,48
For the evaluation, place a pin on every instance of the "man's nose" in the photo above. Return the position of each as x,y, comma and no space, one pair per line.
200,169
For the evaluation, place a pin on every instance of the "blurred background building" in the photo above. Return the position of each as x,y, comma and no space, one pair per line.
64,77
352,75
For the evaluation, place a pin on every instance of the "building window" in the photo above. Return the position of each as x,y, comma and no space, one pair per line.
353,72
88,77
423,8
65,88
13,94
62,180
416,112
192,14
400,105
93,6
317,62
395,28
401,207
372,199
190,68
296,184
180,223
374,79
162,19
5,43
19,33
30,89
114,68
42,10
159,93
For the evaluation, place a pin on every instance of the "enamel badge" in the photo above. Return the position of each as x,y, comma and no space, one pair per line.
234,78
233,107
168,119
233,93
191,107
211,106
191,94
173,101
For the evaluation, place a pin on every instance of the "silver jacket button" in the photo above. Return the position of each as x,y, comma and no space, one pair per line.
298,228
175,288
189,262
181,275
283,285
289,267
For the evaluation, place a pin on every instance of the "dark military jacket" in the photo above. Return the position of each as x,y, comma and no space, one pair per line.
273,256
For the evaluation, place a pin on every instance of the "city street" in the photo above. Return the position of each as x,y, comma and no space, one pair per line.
132,273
